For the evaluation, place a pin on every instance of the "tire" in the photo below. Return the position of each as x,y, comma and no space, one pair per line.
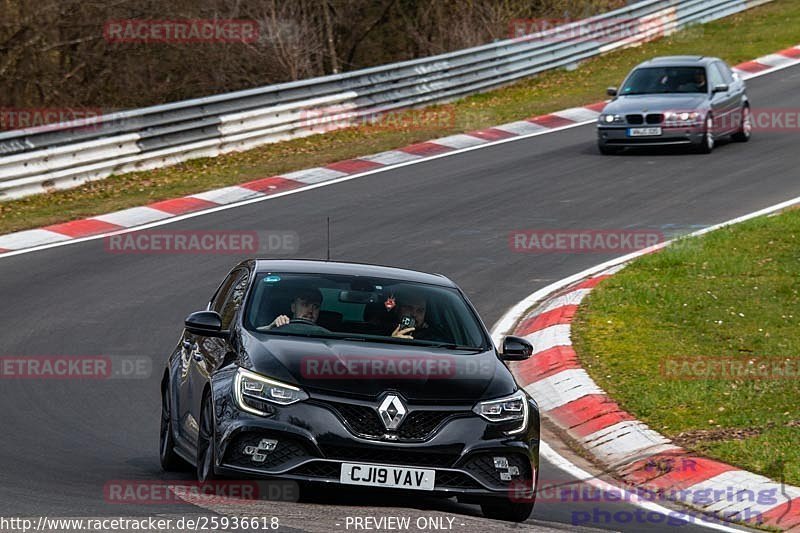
745,130
708,142
205,442
607,150
170,461
507,511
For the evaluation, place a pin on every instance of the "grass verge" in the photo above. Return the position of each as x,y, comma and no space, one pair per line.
737,38
730,297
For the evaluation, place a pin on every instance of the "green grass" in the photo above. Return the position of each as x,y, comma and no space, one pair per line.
733,293
738,38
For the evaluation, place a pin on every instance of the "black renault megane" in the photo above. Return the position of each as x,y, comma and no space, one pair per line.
340,373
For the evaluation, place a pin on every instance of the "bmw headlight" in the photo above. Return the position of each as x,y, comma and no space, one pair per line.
683,117
609,119
253,390
509,409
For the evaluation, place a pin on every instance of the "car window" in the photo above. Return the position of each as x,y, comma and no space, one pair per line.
230,296
364,308
725,72
663,80
715,77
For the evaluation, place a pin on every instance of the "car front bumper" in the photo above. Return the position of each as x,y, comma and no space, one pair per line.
618,136
313,440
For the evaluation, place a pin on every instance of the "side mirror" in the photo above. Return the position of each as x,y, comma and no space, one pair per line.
205,323
721,88
516,349
611,91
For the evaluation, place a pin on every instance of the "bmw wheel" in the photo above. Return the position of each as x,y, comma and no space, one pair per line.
707,143
746,128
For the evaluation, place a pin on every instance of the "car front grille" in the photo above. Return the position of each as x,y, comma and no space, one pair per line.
320,469
482,466
654,118
419,425
287,450
394,456
634,119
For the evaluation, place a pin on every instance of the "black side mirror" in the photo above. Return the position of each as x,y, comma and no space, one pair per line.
516,349
611,91
205,323
721,88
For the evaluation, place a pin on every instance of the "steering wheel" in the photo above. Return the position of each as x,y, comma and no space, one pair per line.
304,321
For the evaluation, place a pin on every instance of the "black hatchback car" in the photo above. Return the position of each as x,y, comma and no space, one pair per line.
352,374
675,100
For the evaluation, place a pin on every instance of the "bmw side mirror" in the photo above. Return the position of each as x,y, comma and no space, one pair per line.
205,324
721,88
611,91
516,349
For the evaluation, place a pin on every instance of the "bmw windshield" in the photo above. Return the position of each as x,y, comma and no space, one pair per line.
665,80
359,308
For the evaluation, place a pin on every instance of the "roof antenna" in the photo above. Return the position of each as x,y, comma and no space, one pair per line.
329,238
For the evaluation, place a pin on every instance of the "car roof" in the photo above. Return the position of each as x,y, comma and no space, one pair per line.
310,266
678,61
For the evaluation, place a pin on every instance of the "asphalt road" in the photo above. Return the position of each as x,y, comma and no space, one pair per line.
62,441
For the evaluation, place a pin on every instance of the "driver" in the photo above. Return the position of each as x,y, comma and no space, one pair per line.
698,83
305,306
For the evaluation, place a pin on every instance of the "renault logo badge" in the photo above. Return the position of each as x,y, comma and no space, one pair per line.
392,411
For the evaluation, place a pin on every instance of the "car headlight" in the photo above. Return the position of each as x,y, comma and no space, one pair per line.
251,390
608,119
683,117
509,409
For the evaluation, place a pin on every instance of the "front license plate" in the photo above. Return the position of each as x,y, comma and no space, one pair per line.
387,476
643,132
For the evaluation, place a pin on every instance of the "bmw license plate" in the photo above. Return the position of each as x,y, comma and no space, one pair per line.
387,476
643,132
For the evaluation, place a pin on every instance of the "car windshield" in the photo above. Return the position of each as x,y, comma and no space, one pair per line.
664,80
363,309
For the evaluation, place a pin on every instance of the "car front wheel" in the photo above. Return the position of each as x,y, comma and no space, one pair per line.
746,127
205,442
170,461
707,142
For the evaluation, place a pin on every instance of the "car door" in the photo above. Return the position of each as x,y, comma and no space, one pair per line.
736,89
723,103
195,365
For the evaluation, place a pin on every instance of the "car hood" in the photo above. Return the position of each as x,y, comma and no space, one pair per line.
318,366
656,103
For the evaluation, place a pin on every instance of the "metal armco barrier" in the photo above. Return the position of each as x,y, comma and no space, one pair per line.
48,158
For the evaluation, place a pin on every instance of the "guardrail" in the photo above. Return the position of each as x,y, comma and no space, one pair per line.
57,157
